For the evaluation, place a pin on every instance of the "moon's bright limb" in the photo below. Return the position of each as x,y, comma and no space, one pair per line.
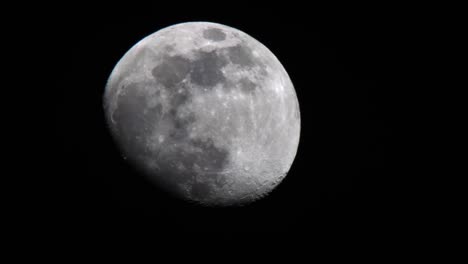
207,111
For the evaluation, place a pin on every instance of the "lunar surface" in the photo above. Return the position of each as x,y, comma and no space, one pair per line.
206,112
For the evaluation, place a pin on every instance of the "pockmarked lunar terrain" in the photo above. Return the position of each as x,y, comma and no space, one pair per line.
207,112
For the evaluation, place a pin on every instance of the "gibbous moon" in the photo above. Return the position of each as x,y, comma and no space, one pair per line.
207,112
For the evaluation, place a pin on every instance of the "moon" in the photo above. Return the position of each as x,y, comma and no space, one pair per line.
206,112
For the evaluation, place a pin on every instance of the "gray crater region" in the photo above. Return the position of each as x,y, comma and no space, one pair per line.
207,112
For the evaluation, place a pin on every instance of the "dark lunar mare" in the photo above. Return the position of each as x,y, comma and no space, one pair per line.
214,34
241,55
179,159
195,158
247,86
134,119
171,71
176,165
206,69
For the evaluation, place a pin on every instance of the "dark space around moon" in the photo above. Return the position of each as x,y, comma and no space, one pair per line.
337,182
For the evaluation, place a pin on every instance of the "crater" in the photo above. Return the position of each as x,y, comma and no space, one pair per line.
171,71
247,86
180,127
197,158
206,69
214,34
200,191
212,159
177,98
297,113
169,47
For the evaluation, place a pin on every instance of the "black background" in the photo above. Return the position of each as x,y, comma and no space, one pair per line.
346,70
